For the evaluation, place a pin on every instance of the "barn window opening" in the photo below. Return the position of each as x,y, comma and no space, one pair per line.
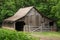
51,23
19,25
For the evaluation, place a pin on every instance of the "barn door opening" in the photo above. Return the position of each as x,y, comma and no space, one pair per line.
19,25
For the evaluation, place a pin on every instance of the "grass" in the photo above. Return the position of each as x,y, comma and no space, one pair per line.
49,34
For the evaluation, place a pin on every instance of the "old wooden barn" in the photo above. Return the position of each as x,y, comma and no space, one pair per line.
29,19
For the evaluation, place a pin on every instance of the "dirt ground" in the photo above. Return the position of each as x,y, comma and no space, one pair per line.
42,37
49,38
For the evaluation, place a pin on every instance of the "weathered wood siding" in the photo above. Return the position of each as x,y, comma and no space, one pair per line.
8,25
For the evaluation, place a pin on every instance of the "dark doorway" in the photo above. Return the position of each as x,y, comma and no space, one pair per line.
51,23
19,25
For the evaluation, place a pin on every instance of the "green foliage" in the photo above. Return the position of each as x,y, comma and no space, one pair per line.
56,13
7,9
49,8
14,35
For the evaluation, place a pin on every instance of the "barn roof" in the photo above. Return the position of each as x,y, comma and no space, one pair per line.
21,13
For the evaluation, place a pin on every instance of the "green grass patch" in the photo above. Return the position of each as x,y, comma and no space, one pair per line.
49,34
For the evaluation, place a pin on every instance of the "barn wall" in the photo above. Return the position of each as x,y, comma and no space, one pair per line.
33,20
8,25
45,24
34,16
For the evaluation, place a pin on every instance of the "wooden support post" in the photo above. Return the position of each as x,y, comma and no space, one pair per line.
41,26
14,25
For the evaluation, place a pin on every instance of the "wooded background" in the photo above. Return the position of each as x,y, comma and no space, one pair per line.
50,8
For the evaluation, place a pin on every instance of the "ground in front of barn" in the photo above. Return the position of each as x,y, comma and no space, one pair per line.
46,35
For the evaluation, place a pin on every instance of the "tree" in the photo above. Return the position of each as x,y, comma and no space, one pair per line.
56,13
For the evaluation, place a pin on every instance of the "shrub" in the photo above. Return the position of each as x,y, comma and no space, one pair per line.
14,35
